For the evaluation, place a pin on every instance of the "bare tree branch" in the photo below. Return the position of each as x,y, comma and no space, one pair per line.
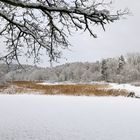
33,25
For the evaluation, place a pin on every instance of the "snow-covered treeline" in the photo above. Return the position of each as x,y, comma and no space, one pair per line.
121,69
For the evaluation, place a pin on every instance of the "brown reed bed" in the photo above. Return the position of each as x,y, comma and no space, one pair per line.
68,89
3,87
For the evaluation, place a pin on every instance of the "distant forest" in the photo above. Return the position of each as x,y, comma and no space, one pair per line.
123,69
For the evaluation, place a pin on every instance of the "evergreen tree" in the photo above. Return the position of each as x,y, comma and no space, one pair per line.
121,64
104,68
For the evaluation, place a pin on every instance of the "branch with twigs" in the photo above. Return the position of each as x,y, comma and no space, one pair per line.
46,24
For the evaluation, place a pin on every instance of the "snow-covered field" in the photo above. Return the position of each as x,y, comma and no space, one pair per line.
40,117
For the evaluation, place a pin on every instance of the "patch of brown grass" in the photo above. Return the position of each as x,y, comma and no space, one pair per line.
3,87
72,89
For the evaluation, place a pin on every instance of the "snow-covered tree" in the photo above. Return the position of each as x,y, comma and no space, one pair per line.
121,63
104,69
32,25
129,74
86,76
133,58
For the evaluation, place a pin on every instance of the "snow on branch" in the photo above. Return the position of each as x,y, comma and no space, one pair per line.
46,24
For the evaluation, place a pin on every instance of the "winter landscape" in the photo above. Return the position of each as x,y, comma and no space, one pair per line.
58,81
79,109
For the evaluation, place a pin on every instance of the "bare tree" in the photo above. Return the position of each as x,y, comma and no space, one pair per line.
31,25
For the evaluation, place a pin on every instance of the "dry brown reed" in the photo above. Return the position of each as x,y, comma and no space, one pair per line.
69,89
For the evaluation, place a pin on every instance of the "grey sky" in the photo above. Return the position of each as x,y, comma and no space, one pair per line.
120,37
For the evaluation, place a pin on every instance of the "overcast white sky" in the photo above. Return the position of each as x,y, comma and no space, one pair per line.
120,37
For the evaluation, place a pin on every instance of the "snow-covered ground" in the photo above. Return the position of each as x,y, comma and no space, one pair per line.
40,117
57,83
127,87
